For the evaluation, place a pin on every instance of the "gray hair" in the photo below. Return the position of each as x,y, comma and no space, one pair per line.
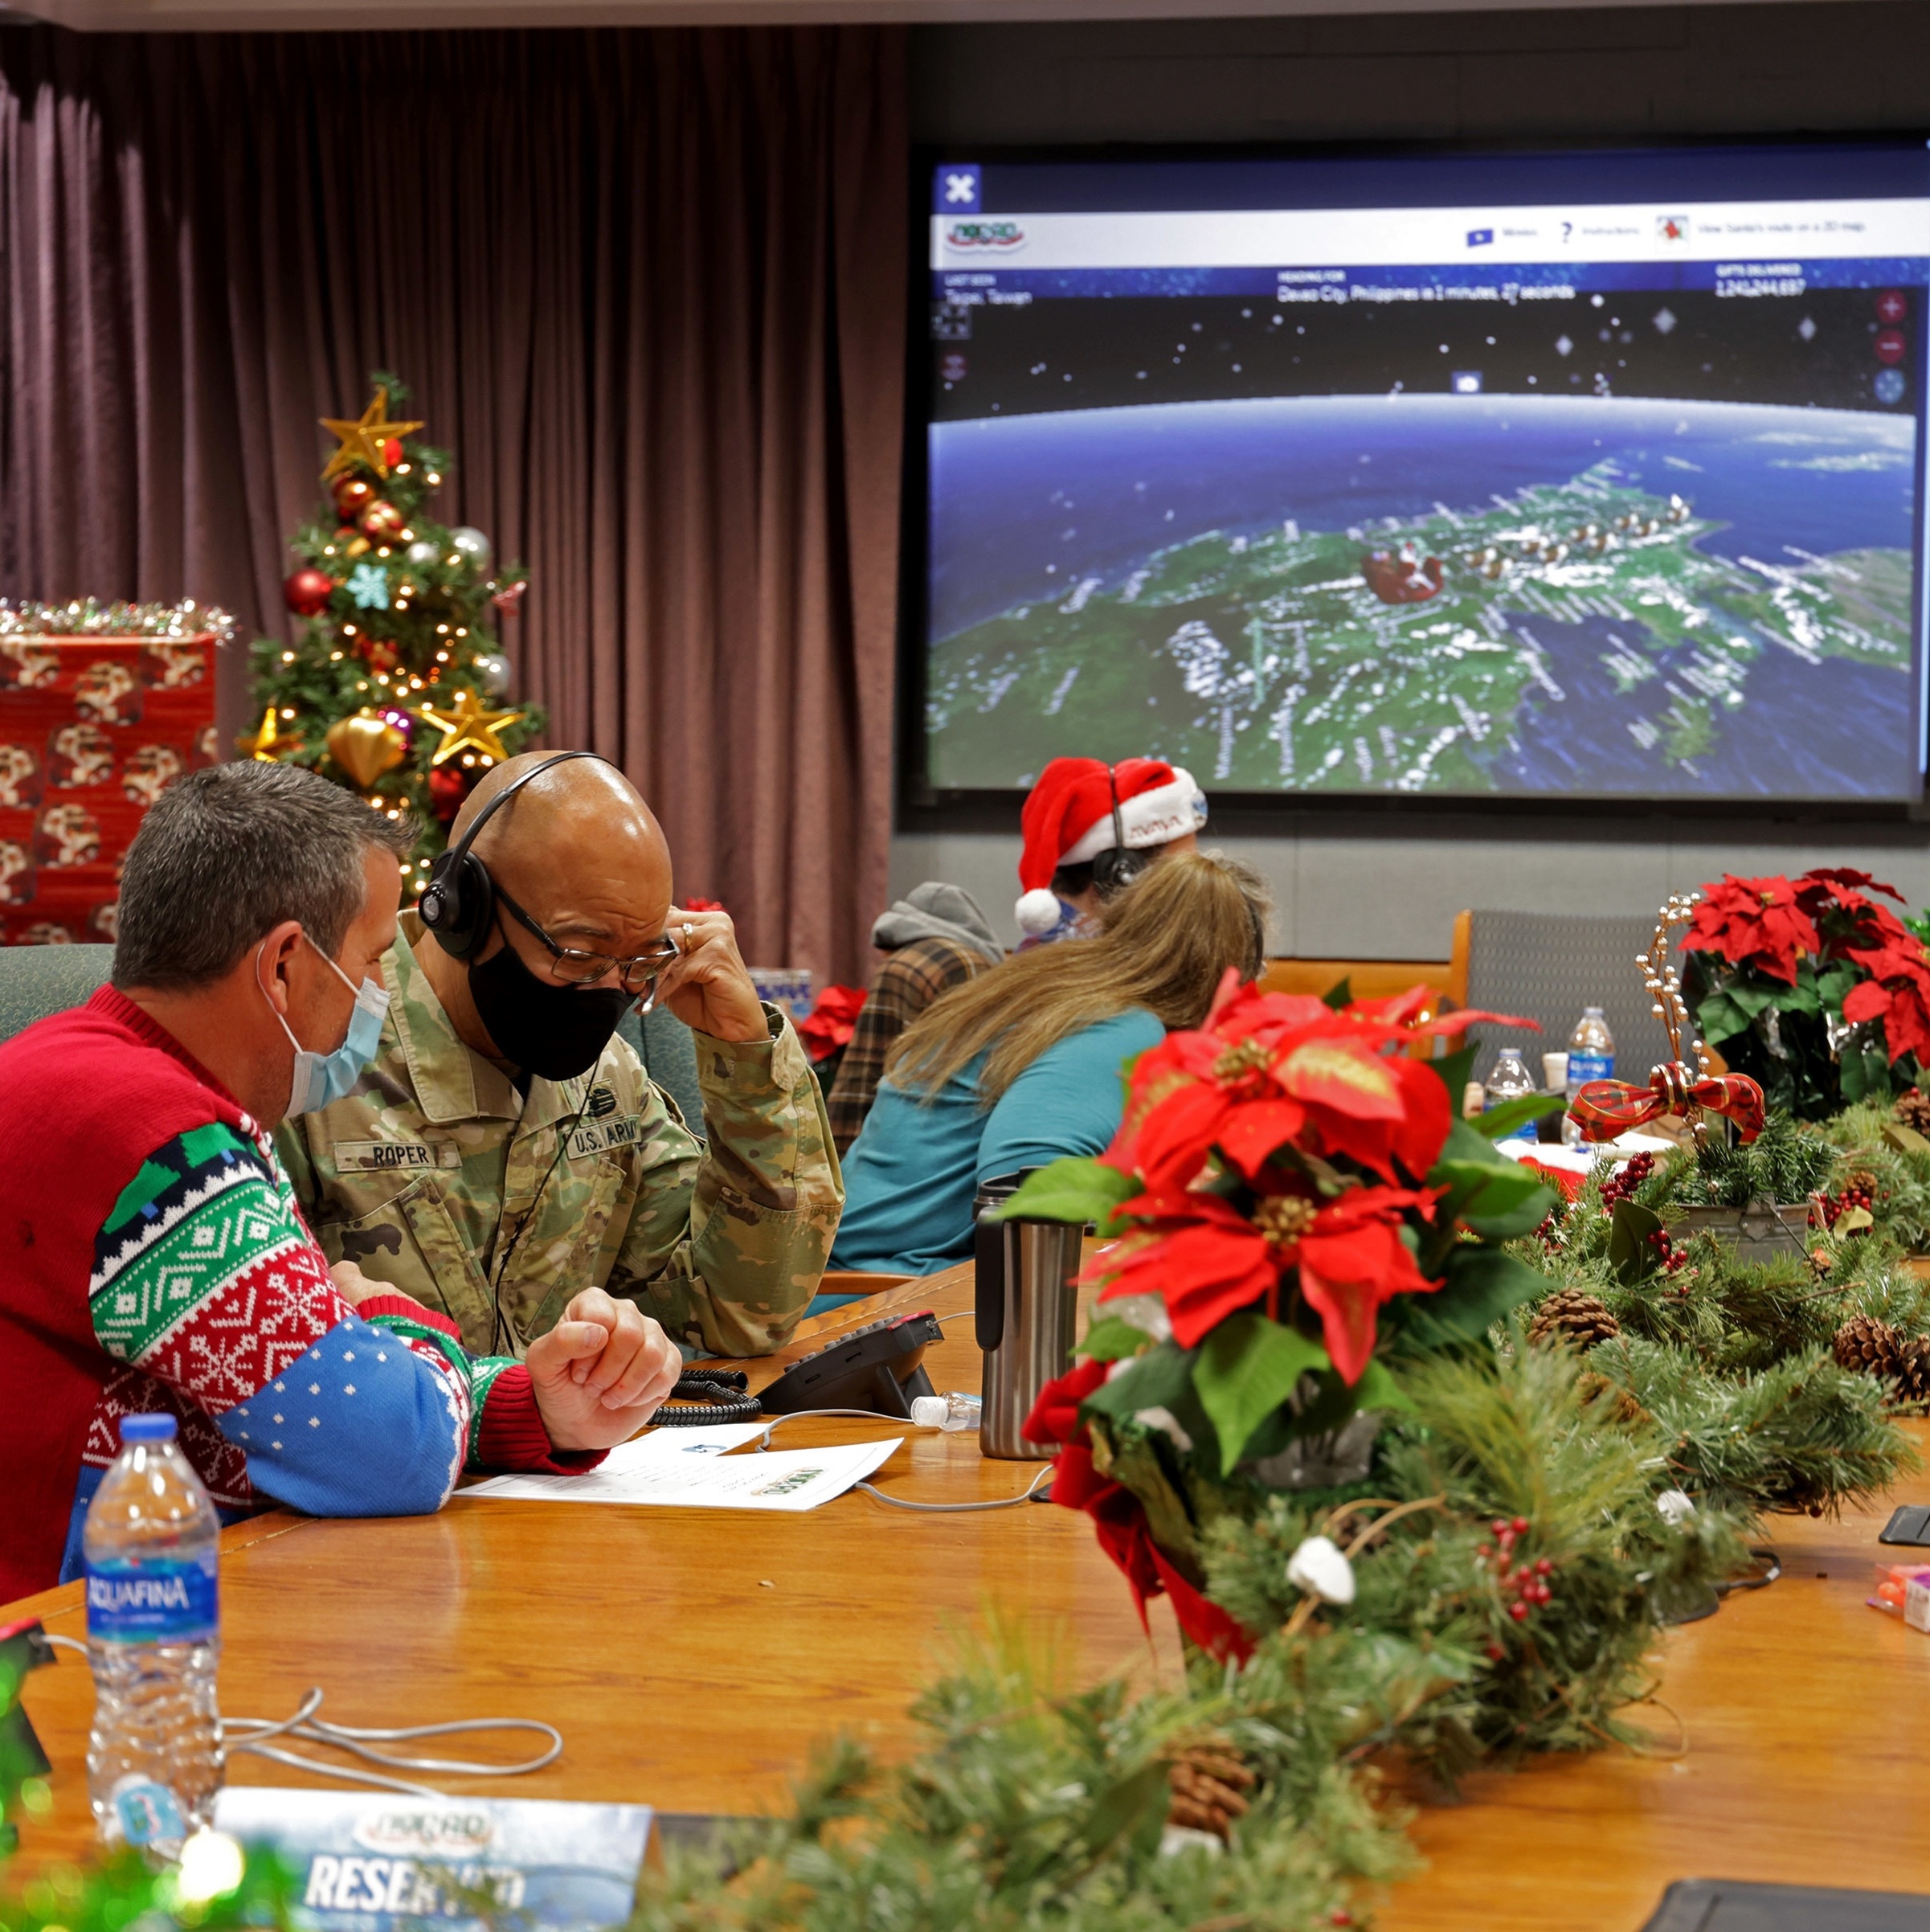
228,852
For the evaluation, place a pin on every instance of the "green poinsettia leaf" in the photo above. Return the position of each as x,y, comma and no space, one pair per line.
1338,996
1247,1367
1720,1017
1378,1390
1507,1224
1069,1190
1481,1286
1455,1071
1110,1339
1834,985
1752,992
1161,1378
1498,1122
1483,1187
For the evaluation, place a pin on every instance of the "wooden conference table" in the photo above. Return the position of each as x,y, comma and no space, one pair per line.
690,1658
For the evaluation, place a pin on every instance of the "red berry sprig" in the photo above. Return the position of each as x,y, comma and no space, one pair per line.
1831,1207
1526,1581
1668,1257
1621,1185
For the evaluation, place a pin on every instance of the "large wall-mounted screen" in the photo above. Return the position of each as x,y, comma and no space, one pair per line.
1578,475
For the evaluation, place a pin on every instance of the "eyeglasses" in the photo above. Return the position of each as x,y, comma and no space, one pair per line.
636,975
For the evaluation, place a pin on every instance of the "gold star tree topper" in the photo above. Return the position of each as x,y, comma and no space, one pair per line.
362,442
466,726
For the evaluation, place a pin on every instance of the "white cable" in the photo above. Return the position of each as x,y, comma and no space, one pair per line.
1007,1502
252,1735
798,1415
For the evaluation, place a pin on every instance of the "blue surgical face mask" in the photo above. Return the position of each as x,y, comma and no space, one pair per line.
320,1079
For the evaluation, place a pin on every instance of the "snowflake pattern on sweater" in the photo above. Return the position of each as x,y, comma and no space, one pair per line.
206,1286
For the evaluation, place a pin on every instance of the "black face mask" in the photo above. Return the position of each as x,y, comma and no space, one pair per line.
556,1032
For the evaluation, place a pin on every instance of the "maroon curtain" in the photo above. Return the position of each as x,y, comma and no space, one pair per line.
648,287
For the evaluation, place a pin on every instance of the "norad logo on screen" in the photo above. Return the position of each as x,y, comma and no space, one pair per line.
1273,468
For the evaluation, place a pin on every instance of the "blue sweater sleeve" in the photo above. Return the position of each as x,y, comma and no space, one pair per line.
206,1281
1069,1100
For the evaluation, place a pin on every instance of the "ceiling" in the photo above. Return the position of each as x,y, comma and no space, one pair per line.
360,16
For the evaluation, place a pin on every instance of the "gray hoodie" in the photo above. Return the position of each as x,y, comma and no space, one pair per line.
937,910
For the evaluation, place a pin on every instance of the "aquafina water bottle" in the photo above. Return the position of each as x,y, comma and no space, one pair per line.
1590,1057
152,1541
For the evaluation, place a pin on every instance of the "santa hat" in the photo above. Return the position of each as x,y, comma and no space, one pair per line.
1068,820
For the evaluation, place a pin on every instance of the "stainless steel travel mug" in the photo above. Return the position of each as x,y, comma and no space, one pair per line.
1027,1310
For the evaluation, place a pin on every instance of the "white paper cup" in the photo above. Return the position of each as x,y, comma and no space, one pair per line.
1554,1071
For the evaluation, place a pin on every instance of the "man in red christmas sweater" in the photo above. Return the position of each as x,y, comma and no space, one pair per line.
151,1256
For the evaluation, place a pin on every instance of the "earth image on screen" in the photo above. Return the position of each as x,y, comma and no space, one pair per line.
1590,596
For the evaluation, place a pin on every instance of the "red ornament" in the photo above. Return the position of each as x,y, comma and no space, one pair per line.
353,496
391,453
447,789
381,522
307,593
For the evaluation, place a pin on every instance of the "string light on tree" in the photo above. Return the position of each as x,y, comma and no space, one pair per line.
397,607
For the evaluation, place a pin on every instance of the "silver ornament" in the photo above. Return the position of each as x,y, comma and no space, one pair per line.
422,553
494,670
473,544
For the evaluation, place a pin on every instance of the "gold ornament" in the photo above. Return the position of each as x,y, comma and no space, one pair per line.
270,743
365,746
362,442
466,726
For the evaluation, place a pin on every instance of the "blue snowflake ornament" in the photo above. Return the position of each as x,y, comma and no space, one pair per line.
369,585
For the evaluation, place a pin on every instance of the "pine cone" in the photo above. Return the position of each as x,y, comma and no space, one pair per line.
1912,1109
1859,1181
1622,1404
1912,1376
1865,1343
1208,1778
1574,1316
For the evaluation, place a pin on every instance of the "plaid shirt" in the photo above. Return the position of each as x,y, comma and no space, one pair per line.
908,982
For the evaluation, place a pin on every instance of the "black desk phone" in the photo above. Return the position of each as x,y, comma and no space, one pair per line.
879,1366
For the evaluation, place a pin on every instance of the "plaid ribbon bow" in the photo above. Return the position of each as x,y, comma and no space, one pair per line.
1605,1108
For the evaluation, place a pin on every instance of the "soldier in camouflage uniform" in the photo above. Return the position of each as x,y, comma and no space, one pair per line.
495,1194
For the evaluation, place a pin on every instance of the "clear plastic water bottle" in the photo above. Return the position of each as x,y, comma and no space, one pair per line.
1510,1079
950,1412
151,1543
1590,1057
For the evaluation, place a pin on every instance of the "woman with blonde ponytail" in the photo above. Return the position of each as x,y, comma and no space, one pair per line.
1022,1065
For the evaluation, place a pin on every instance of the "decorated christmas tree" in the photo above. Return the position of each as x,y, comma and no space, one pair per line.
398,687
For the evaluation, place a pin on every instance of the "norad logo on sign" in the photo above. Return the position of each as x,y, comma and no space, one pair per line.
979,232
425,1833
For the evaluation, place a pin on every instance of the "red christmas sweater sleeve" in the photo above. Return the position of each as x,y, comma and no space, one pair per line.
206,1280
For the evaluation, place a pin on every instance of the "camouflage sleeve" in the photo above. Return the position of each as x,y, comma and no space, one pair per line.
292,1146
728,1236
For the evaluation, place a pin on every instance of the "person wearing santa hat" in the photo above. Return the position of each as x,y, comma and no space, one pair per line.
1090,829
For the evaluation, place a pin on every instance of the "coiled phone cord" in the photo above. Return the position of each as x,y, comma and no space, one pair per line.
705,1396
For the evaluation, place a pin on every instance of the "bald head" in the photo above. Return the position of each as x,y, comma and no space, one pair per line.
578,849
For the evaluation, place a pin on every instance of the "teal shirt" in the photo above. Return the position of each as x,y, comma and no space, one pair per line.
910,1176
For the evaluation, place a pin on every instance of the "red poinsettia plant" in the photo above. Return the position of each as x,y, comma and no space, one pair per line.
1815,989
1292,1204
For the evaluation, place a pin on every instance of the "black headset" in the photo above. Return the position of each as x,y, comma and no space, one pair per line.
1116,868
458,905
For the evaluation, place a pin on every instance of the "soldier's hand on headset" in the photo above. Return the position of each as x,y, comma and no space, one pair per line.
601,1372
